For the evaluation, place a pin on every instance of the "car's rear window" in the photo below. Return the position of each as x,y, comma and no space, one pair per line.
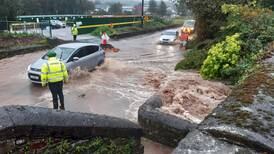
189,24
61,53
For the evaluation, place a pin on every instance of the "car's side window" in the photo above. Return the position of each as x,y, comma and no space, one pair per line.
92,49
79,53
85,51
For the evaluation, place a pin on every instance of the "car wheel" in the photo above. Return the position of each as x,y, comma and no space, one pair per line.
101,62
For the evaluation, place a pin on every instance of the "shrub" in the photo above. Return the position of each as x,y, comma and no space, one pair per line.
17,35
222,58
193,59
254,24
209,16
127,29
153,24
98,31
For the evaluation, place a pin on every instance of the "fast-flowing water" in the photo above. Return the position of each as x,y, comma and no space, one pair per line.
117,88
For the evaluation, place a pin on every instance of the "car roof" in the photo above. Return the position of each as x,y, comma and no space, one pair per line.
190,20
171,30
77,45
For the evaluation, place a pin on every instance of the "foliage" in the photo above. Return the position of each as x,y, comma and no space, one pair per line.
254,24
193,59
267,4
115,8
181,6
8,8
100,12
162,10
241,41
12,8
98,31
94,145
222,58
6,35
154,24
137,9
152,7
208,15
128,29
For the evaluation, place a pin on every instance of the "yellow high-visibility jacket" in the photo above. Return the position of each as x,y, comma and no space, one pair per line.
53,71
74,30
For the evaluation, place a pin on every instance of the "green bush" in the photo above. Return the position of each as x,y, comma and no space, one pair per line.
222,59
153,24
17,35
254,24
193,59
94,145
98,31
127,29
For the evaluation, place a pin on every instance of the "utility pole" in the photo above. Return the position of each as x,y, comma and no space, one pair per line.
7,23
50,29
142,18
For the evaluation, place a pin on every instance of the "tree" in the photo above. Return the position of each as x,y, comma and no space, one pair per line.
100,12
181,7
162,11
209,16
8,8
152,7
31,7
12,8
115,9
137,9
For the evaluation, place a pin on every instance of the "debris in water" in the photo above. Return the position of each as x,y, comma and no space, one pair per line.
82,95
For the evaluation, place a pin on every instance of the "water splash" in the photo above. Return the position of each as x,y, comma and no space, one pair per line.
186,94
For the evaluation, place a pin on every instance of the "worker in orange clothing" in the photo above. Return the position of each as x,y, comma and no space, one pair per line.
184,39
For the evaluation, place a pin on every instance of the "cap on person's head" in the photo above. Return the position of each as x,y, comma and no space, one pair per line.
51,54
74,25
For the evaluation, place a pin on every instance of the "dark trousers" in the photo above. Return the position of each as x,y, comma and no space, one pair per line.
56,90
74,37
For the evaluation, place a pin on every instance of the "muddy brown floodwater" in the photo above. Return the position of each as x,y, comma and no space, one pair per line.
117,88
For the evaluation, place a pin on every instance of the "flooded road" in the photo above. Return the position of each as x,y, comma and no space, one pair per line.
117,88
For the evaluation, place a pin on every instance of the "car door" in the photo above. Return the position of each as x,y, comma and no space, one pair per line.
81,60
93,56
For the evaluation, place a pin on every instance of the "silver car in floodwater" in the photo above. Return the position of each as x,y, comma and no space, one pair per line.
84,55
169,37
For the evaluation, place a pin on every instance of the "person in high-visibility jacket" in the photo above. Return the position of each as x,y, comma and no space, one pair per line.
54,73
74,32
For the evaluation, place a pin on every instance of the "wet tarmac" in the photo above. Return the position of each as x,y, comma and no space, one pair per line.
117,88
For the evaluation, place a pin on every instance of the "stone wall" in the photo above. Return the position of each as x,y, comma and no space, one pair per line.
35,122
160,126
5,53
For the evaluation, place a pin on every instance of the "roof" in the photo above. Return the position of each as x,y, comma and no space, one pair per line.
171,30
77,45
